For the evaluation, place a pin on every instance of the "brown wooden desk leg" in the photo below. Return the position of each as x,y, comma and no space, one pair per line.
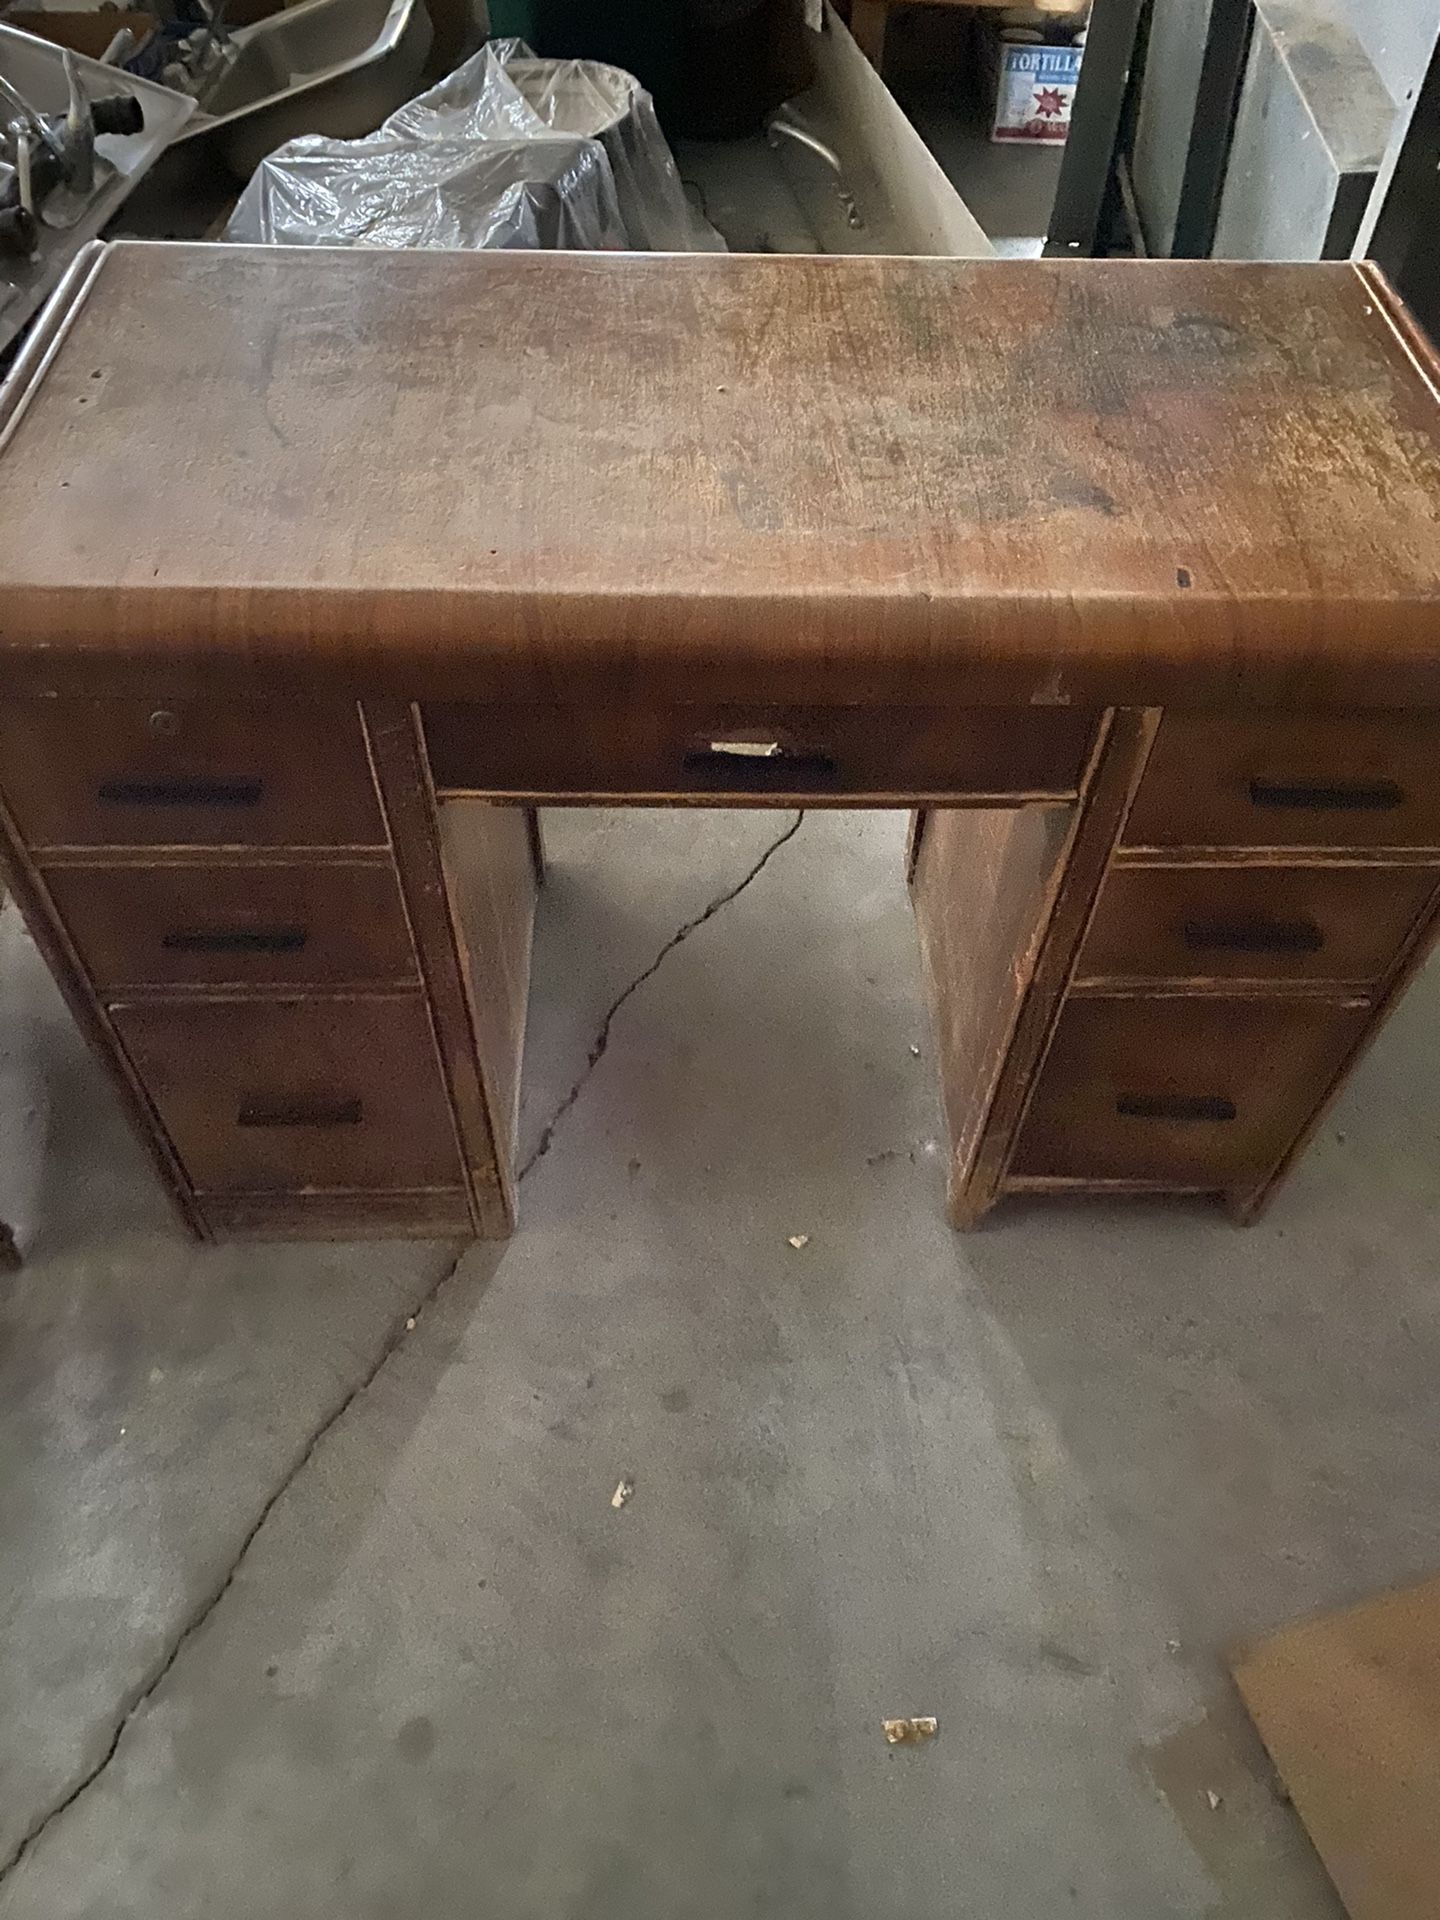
314,1032
1163,993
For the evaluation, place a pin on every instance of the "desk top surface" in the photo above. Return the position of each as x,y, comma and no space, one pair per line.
535,475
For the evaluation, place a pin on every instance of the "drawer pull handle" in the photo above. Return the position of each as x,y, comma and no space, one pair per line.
181,793
759,766
1253,936
1340,796
301,1113
236,940
1174,1106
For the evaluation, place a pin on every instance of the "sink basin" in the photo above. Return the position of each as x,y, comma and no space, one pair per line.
336,67
36,68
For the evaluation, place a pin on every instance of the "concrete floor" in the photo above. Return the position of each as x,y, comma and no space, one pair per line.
306,1613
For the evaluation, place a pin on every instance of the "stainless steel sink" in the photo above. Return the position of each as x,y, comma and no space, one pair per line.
336,67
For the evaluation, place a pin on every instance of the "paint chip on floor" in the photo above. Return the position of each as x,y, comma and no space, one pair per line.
911,1730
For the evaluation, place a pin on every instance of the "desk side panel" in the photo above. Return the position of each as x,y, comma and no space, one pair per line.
490,875
1002,901
478,1097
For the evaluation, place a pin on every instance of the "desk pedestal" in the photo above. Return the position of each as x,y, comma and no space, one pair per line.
300,935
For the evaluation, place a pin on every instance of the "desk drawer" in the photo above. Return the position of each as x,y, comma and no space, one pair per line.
235,926
282,1096
732,754
1257,924
1290,780
1187,1093
106,773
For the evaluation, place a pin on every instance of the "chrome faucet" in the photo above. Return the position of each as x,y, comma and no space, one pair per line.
782,124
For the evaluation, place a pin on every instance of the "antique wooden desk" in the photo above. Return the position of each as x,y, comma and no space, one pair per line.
320,569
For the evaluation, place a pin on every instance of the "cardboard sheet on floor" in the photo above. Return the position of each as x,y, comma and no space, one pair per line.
1349,1707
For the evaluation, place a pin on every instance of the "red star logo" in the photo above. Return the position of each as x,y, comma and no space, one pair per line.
1048,101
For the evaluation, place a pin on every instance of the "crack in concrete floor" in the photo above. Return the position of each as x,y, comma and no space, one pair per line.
403,1324
677,939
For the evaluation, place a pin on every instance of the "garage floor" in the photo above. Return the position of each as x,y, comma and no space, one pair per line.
311,1612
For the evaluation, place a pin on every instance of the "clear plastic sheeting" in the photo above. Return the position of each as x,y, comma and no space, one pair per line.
508,151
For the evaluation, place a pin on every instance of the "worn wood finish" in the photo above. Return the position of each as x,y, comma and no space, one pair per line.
1192,1092
1002,913
758,756
1318,903
409,798
276,925
286,1095
932,530
983,888
108,773
359,1215
491,882
25,883
1267,926
733,478
1337,781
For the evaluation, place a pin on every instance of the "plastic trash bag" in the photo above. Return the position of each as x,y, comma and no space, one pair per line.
508,151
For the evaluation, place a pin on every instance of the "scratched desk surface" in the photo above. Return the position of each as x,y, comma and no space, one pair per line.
857,479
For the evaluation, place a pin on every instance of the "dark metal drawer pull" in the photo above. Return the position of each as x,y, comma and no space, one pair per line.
301,1113
760,766
1174,1106
237,940
182,793
1253,936
1340,796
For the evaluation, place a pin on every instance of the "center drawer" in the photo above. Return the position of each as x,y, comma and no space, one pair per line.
283,1096
960,755
1194,1094
281,924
